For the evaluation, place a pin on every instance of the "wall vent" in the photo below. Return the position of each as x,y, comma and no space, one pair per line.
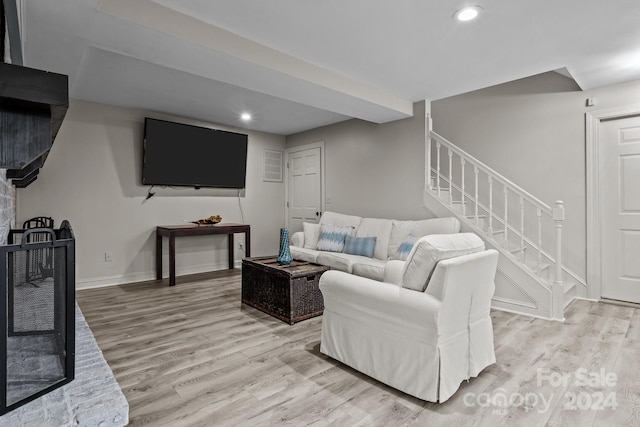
272,166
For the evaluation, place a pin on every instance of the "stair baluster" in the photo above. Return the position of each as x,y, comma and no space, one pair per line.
450,176
558,285
521,228
438,145
491,206
539,214
464,209
475,173
506,217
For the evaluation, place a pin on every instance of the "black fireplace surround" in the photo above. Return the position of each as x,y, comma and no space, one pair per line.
37,288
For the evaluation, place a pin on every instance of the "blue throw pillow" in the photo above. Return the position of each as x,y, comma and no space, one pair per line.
405,247
332,237
364,246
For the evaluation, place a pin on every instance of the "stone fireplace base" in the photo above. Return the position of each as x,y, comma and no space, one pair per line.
93,398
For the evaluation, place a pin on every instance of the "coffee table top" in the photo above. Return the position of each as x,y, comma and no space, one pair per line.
295,269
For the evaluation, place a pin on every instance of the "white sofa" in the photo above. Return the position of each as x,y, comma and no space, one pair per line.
390,234
424,343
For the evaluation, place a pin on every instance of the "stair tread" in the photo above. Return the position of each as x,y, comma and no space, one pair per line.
535,266
517,249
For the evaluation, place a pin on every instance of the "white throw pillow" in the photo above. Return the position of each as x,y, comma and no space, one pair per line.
311,234
428,250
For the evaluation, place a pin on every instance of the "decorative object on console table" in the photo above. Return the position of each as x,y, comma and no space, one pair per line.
214,219
284,257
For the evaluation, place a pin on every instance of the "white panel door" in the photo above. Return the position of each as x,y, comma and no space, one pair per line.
305,187
619,159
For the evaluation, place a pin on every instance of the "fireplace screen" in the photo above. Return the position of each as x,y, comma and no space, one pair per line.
37,270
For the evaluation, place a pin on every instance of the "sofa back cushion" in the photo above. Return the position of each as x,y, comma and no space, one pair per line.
401,230
428,250
381,230
342,220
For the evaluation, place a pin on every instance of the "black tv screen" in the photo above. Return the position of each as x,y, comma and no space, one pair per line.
176,154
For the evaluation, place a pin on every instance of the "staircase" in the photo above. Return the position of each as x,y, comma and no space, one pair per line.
531,278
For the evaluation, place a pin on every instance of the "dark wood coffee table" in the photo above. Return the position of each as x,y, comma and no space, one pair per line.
287,292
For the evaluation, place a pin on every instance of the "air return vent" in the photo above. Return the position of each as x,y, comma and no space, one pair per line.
272,167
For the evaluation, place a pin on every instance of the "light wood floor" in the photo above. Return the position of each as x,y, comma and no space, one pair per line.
193,355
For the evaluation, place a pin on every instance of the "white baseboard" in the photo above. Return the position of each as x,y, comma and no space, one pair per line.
101,282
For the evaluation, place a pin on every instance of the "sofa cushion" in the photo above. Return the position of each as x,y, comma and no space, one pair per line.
304,254
332,237
311,234
334,218
428,250
364,246
379,228
400,230
372,269
339,261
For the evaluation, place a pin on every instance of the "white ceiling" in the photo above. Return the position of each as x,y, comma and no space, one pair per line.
298,64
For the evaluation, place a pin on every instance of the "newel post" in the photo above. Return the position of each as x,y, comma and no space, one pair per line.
558,285
428,124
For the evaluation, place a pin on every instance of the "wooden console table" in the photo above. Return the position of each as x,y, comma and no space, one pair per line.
173,231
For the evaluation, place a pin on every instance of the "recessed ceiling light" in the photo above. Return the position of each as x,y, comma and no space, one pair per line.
245,117
467,13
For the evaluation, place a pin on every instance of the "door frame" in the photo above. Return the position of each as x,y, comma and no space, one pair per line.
287,153
594,225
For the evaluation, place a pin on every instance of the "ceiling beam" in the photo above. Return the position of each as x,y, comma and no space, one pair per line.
297,80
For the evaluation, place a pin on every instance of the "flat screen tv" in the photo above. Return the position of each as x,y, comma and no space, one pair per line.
176,154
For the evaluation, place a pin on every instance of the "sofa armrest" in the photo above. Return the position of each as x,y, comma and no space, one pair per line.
393,271
393,305
297,239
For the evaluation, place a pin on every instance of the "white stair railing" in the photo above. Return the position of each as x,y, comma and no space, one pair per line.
517,219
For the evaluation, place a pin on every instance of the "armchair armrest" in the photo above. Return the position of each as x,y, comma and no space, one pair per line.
400,309
297,239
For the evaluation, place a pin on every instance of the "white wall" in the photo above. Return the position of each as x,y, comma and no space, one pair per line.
532,131
92,177
373,170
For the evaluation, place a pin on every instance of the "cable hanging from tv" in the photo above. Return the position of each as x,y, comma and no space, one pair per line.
149,193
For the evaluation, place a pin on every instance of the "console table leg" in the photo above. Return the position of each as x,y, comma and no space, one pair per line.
247,243
172,261
158,257
231,251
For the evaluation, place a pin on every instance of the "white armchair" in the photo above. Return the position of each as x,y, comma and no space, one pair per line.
422,343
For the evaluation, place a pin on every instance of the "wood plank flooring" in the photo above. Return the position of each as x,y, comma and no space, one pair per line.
193,355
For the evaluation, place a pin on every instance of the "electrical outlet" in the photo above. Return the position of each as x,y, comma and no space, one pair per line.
108,257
